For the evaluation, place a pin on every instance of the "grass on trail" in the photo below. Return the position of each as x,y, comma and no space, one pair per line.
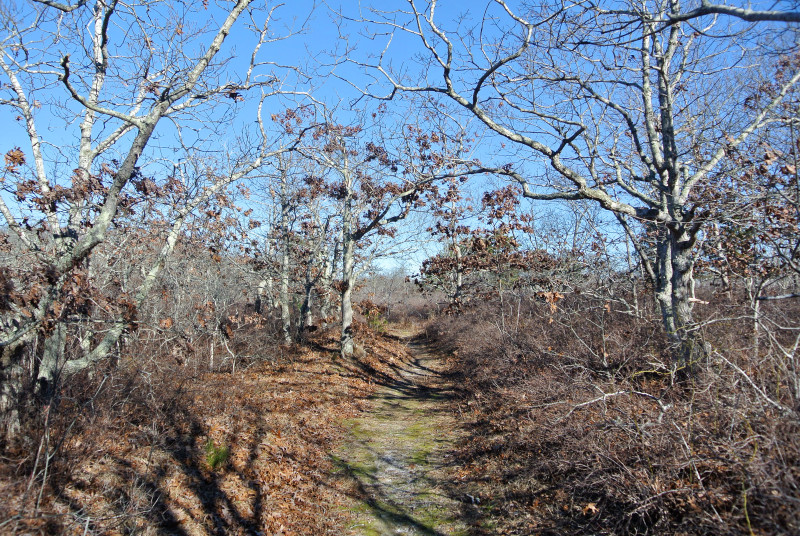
396,455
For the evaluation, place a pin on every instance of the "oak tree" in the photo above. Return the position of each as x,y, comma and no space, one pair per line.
633,107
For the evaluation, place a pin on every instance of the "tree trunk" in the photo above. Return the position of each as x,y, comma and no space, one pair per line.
12,376
306,317
261,291
672,275
674,284
286,318
347,295
348,262
52,360
459,276
327,280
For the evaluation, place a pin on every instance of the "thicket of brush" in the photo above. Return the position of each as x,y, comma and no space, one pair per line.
579,423
203,420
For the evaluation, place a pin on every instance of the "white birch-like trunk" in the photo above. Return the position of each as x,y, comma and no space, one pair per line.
261,293
348,263
327,280
306,316
286,316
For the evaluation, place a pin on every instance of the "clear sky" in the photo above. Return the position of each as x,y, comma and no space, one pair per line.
320,39
316,41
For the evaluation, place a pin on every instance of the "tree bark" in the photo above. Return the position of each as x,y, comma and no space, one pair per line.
261,292
459,275
674,289
51,362
12,392
327,280
306,316
286,316
348,262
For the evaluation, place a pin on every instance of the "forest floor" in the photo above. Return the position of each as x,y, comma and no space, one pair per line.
397,456
308,444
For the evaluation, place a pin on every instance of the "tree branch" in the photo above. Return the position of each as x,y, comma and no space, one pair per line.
750,15
66,8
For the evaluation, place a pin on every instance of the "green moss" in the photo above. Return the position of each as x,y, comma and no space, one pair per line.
421,454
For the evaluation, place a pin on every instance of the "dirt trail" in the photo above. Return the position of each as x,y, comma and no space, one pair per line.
396,458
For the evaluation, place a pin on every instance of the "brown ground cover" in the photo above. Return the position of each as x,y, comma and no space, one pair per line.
574,424
159,450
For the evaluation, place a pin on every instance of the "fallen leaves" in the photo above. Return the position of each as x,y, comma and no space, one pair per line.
280,421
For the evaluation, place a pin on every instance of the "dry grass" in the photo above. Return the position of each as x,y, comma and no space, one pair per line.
132,448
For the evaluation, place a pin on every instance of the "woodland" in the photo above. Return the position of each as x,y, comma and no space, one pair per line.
231,228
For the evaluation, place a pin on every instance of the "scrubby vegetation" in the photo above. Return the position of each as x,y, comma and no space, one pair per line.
594,212
579,424
154,446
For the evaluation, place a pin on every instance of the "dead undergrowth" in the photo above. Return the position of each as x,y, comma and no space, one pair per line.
155,450
574,424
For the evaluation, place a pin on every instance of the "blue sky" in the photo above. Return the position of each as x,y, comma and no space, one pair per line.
314,46
313,49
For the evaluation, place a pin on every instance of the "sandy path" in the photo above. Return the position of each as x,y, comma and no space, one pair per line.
397,456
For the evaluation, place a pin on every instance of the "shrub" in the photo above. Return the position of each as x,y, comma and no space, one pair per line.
576,420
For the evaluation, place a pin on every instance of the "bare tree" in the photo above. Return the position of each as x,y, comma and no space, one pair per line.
631,108
117,70
358,194
374,180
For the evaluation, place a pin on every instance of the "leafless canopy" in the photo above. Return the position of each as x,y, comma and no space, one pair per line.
634,108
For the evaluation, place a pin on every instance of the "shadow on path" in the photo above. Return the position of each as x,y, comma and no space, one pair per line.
396,460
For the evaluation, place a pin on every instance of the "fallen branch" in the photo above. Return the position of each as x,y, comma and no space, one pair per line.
605,396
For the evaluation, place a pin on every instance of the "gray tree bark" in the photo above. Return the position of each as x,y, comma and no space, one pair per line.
629,139
286,314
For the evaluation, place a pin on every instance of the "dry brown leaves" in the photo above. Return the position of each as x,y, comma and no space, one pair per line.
129,473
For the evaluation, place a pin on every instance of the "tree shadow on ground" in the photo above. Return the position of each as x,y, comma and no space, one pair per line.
404,485
144,468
